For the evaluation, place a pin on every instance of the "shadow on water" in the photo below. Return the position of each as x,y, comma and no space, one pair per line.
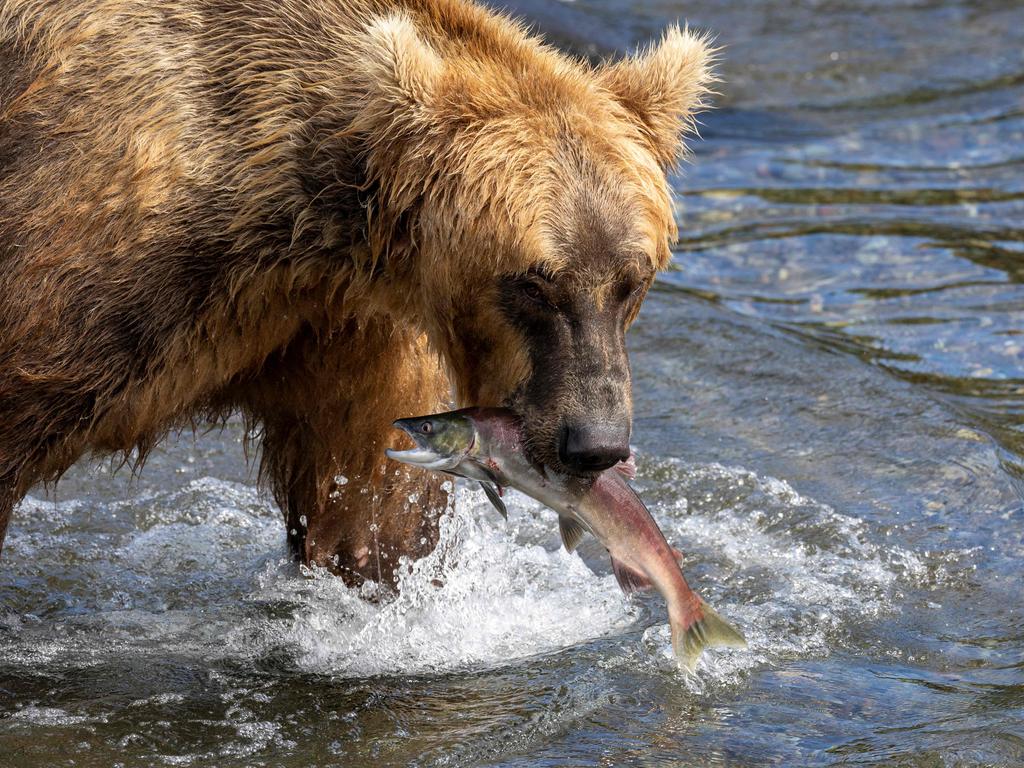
829,397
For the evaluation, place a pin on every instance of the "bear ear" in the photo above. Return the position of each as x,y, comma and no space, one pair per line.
398,68
664,87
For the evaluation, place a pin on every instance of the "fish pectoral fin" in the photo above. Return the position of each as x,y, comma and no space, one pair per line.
629,580
489,474
494,496
571,532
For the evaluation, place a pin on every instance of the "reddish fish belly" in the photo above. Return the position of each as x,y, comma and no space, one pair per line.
634,540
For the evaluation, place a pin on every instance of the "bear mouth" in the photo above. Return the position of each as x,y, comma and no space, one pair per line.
542,453
541,439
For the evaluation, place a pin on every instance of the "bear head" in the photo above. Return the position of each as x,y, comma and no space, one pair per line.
520,196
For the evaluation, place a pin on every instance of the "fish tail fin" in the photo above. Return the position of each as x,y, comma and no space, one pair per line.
709,631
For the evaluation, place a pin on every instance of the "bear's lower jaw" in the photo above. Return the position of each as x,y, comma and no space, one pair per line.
548,462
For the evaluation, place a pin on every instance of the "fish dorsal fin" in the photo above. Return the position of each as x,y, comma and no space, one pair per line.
627,468
571,532
494,496
629,580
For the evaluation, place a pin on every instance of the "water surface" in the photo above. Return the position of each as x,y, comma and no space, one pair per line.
830,421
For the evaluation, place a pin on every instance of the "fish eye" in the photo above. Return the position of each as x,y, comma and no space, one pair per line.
426,428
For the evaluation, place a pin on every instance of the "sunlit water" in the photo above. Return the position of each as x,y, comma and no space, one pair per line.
830,421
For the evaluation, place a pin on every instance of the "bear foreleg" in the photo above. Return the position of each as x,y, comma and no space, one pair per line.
325,407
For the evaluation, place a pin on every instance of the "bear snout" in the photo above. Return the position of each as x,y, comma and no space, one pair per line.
593,447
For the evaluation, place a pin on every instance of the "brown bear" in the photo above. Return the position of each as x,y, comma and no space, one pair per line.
324,215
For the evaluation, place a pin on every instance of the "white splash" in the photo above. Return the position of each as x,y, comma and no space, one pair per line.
203,572
793,574
481,599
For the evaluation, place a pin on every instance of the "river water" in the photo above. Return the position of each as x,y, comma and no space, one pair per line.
830,422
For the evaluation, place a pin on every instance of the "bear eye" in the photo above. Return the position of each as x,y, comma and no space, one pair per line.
628,289
532,291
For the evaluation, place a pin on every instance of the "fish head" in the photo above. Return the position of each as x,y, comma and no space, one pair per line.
442,441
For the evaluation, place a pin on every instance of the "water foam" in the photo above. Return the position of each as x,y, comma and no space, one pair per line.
202,572
193,576
483,598
793,573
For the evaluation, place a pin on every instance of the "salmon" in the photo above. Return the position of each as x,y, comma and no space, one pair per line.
486,445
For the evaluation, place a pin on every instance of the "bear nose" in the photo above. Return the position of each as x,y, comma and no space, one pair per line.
593,447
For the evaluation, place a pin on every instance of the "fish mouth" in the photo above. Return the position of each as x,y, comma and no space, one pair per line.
424,458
